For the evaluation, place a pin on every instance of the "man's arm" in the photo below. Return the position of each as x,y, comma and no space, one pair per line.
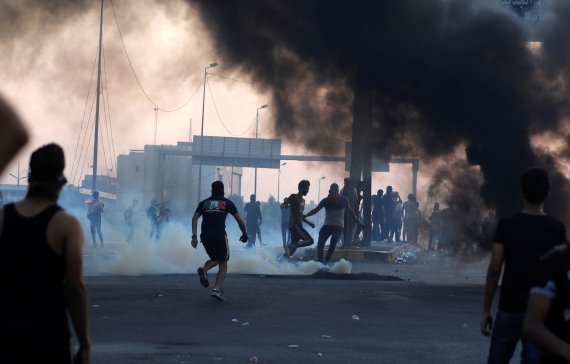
13,136
535,330
311,224
75,291
242,227
354,217
315,210
194,229
491,283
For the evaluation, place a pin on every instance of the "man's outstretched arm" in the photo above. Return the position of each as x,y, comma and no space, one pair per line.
491,283
242,227
75,291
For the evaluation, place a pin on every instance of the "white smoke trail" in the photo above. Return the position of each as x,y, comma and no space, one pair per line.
174,254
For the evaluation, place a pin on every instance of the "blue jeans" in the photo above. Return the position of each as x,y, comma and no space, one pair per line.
507,331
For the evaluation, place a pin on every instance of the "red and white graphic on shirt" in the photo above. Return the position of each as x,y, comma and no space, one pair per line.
217,205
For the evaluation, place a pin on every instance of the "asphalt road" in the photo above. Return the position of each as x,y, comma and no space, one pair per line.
172,319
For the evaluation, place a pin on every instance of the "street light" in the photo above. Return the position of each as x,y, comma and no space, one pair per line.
319,200
212,65
155,123
18,178
279,180
319,193
256,124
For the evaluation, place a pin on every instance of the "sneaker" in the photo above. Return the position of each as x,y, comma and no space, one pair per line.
217,295
203,277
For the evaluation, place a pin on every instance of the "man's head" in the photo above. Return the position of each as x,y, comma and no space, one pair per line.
252,197
333,190
304,187
346,181
436,206
218,189
411,197
380,192
46,171
95,195
389,189
286,199
535,185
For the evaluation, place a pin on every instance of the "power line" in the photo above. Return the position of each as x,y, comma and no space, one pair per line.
83,117
112,155
220,75
220,118
83,145
137,78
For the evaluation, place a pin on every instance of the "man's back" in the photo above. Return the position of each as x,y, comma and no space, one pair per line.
214,211
378,205
334,208
31,269
525,238
253,213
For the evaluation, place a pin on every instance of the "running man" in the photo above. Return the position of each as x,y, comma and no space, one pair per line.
299,236
214,211
334,205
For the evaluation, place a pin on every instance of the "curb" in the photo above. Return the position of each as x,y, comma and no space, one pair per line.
368,253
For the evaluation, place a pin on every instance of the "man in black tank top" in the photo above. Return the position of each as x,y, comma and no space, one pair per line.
41,271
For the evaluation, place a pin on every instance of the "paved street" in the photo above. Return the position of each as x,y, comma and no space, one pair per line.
375,319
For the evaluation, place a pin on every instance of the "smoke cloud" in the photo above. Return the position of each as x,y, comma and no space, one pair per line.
443,73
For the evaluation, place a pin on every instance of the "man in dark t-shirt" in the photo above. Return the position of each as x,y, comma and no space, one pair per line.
377,216
214,211
253,220
299,236
547,320
389,204
334,205
519,241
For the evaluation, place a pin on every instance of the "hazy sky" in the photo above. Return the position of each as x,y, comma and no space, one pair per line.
48,54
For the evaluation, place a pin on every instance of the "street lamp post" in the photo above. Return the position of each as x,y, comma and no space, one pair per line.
155,123
256,125
18,178
279,180
319,193
319,200
212,65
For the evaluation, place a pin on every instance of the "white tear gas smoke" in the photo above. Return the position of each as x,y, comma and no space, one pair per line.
173,254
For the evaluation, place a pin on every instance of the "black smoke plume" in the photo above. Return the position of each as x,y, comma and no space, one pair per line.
443,74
